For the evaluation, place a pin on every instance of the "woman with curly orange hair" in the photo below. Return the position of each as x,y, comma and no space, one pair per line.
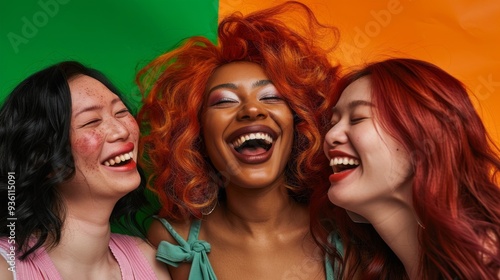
414,166
234,147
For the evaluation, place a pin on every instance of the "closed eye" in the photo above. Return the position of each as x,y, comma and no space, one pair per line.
92,122
224,101
272,98
122,113
357,120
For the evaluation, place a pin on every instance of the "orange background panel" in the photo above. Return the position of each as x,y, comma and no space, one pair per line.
460,36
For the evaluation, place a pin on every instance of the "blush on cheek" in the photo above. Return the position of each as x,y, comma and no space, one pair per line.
86,149
88,143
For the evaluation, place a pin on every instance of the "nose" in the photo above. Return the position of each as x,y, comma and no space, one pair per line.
252,110
117,130
337,135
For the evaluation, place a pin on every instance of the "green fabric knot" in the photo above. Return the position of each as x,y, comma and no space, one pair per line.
194,252
200,246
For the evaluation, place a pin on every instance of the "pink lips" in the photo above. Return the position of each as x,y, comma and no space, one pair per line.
130,165
125,148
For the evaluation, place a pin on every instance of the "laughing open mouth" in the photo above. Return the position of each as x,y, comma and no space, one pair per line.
119,160
340,164
253,143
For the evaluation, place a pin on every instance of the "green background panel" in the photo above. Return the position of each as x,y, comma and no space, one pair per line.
115,37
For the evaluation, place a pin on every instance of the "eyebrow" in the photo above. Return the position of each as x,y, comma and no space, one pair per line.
258,83
97,107
353,104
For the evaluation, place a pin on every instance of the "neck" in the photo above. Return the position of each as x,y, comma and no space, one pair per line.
84,245
261,209
397,224
401,235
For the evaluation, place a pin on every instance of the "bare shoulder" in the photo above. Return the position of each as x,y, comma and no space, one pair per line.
5,273
149,253
157,232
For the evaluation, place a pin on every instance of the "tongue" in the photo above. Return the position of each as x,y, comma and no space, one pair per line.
252,151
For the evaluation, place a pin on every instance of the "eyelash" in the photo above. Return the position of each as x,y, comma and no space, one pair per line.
91,122
272,97
124,111
222,101
356,120
352,121
267,98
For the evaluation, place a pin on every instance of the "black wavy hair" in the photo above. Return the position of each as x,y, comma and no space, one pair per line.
35,153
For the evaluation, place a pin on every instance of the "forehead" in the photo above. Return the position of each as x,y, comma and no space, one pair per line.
85,89
237,71
357,90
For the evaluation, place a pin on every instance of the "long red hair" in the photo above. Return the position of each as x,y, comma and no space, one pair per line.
174,86
455,191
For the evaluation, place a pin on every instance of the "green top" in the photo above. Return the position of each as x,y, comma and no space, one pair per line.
195,251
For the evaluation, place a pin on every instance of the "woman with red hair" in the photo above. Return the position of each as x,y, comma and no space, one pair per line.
415,170
234,146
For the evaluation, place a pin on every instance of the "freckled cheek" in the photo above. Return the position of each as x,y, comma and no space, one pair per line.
132,127
86,149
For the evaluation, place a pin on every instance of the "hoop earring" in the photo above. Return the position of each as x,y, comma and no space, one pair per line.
210,208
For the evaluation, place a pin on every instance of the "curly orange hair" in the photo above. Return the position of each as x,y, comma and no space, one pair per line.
174,86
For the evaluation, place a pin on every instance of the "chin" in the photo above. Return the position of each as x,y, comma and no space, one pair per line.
335,197
128,184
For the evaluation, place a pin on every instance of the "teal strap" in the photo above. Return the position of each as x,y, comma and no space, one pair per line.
193,251
329,269
333,238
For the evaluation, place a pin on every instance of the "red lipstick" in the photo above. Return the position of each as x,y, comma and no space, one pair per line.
338,176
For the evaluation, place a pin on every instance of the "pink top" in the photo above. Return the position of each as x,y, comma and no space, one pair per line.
38,265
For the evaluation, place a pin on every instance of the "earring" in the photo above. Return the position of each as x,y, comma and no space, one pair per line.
210,208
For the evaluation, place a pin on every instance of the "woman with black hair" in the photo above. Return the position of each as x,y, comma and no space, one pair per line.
68,145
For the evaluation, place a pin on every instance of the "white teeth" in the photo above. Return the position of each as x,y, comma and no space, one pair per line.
343,161
259,135
119,158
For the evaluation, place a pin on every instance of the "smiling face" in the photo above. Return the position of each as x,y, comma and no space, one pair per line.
103,138
247,126
369,166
